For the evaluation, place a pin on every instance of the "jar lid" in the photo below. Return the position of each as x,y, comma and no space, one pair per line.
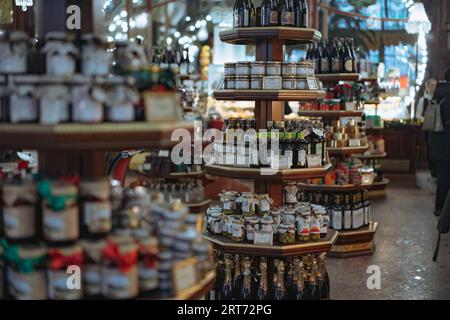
59,36
66,251
230,64
286,227
273,63
289,78
258,63
289,63
242,78
244,63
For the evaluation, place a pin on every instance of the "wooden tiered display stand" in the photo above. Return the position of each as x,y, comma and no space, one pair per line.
355,242
81,149
270,42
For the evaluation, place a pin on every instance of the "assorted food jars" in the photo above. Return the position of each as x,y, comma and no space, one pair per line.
92,267
60,53
14,47
95,56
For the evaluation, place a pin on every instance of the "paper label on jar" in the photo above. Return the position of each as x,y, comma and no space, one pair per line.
250,233
263,238
290,197
61,226
58,286
217,227
227,205
336,219
237,231
120,285
97,216
92,279
19,222
148,278
347,219
264,205
246,206
27,286
324,224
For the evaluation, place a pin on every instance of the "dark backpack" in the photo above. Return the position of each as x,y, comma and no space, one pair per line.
443,225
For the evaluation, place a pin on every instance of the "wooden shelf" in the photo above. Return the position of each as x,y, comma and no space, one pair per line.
336,77
266,173
369,157
332,188
227,246
355,242
330,114
290,36
102,136
269,95
200,290
346,150
173,175
199,207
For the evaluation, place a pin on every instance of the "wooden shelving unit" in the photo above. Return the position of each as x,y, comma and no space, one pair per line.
266,173
332,188
281,35
274,95
330,114
336,77
355,242
227,246
346,150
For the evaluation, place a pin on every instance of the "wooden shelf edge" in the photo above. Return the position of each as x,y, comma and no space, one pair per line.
332,188
365,234
270,95
324,245
266,173
330,114
174,175
289,35
338,77
346,150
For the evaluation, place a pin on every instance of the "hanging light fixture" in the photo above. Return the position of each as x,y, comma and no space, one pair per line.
24,4
418,21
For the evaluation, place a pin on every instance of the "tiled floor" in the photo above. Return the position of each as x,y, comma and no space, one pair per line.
405,244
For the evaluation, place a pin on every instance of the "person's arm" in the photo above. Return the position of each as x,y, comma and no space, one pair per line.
419,111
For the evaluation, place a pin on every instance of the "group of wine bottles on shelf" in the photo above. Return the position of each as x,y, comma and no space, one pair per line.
342,97
246,217
347,210
260,278
284,13
337,56
189,191
283,145
69,79
126,241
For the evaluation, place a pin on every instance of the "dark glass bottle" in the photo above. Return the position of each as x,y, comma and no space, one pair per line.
298,13
227,288
337,213
280,290
269,13
299,292
305,14
302,147
312,287
318,59
353,55
348,60
263,290
347,213
325,62
237,277
244,14
322,281
246,291
335,58
286,13
289,280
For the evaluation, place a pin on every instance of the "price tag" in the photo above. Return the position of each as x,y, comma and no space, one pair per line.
312,83
263,238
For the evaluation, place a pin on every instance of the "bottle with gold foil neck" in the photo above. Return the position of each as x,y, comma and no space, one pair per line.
263,290
280,290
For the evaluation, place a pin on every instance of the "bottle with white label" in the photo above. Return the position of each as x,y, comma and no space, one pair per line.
347,213
337,213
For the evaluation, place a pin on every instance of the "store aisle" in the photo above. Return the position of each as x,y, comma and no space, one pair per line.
405,244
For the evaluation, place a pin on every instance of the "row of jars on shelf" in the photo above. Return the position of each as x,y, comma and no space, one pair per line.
117,267
262,278
50,100
271,75
62,51
160,164
295,222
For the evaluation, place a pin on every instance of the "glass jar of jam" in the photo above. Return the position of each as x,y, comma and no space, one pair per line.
256,83
238,231
19,200
148,263
273,68
120,279
289,83
303,227
242,83
26,272
243,69
60,213
230,83
251,225
230,69
95,206
92,267
264,204
258,68
60,262
290,193
289,69
286,234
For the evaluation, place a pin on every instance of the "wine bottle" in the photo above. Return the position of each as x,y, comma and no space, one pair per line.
335,58
263,290
313,289
299,291
236,13
324,291
286,13
325,63
269,13
289,281
318,59
348,61
237,277
298,13
280,290
305,14
227,289
246,291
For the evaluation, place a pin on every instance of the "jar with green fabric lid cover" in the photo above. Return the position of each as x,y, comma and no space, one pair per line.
26,271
